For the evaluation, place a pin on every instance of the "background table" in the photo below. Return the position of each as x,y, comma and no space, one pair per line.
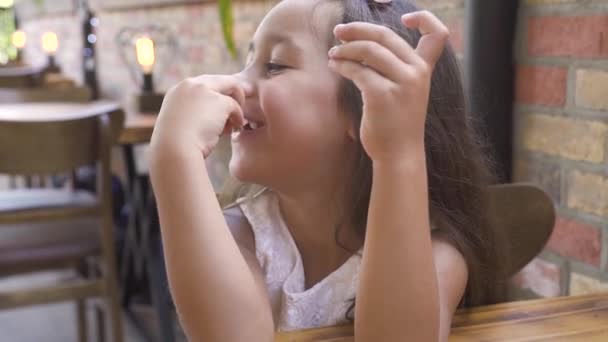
572,319
138,128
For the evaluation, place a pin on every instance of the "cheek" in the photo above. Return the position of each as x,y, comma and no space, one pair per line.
299,110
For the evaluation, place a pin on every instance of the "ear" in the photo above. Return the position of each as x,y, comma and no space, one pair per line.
351,130
349,125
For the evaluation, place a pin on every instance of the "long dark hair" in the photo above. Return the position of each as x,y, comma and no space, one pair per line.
457,170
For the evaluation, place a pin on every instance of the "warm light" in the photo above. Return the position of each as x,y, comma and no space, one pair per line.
50,43
18,39
6,3
145,54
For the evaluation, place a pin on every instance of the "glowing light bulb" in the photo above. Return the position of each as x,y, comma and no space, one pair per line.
50,43
6,3
19,38
145,54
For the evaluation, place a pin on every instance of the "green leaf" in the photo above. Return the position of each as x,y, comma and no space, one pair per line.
227,22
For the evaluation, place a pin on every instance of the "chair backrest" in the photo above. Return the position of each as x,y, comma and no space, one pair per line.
52,138
525,215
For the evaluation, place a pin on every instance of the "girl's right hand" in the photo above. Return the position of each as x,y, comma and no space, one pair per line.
196,112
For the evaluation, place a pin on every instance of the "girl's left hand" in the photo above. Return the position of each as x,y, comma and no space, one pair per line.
394,80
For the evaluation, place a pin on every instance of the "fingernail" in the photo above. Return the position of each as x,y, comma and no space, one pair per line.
332,51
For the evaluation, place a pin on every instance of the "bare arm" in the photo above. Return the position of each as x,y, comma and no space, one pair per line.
215,292
212,285
398,296
410,284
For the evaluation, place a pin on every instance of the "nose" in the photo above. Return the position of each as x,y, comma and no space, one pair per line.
246,83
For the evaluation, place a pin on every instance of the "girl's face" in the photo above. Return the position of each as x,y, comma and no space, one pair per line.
301,135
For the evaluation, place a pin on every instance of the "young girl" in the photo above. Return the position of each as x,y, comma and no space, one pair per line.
352,118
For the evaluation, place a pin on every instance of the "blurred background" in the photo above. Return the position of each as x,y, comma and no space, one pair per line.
536,74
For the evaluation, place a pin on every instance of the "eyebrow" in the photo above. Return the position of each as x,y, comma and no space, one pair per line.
278,39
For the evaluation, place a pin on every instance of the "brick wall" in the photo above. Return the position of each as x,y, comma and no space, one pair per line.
561,130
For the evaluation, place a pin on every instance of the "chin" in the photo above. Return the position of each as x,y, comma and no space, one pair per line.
244,169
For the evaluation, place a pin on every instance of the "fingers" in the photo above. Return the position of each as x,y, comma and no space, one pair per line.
366,79
379,34
372,55
434,34
236,118
229,93
226,85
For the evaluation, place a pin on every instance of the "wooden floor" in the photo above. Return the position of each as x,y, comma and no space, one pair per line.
48,323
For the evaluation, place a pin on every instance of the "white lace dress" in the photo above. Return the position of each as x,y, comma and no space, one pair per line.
294,307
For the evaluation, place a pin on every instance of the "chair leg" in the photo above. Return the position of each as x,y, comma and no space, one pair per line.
160,296
101,324
81,312
115,312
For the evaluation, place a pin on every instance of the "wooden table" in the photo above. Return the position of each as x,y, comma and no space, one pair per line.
50,111
21,76
138,128
573,319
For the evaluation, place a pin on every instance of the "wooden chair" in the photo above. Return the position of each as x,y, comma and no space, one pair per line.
525,215
43,229
38,94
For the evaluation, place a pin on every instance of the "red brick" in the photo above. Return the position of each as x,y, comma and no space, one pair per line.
456,27
541,85
541,277
563,36
576,240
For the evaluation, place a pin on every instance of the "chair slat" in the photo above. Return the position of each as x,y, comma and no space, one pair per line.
82,289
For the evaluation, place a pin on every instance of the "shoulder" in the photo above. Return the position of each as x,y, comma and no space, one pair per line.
452,277
240,228
451,266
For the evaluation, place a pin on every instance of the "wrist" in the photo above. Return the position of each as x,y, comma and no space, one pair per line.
172,156
410,160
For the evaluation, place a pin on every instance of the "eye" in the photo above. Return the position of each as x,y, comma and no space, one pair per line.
274,68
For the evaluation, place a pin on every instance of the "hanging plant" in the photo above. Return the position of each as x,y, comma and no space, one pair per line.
227,22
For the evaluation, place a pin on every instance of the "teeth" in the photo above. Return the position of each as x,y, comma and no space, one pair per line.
253,125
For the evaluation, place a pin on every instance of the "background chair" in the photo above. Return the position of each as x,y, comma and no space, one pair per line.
525,215
43,229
